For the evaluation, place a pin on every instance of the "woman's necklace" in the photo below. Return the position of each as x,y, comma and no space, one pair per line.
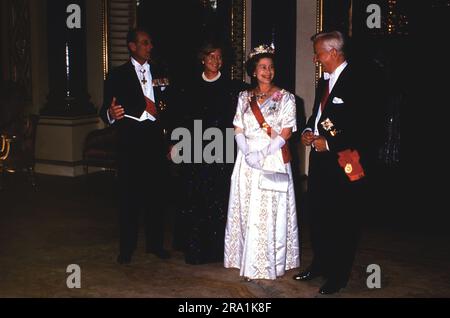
262,95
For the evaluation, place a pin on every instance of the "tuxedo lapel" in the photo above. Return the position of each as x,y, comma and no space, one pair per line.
340,83
319,93
336,91
131,74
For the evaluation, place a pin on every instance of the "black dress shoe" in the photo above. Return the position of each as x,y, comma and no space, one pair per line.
161,253
124,259
306,275
331,287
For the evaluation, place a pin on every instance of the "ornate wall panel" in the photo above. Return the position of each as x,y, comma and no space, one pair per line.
118,17
238,27
19,44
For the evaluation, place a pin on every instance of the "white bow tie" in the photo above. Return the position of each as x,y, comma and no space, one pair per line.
326,76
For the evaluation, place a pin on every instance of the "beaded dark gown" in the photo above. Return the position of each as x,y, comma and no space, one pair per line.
201,218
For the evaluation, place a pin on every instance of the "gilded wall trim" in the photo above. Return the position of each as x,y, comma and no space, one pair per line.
105,38
319,28
118,17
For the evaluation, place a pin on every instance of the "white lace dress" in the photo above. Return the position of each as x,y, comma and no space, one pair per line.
261,236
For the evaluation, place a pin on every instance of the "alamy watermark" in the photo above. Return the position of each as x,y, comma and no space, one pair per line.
374,19
74,279
374,279
73,20
213,152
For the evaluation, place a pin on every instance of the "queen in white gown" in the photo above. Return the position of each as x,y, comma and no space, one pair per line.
261,236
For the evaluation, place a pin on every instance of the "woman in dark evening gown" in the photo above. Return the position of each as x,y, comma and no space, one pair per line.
200,223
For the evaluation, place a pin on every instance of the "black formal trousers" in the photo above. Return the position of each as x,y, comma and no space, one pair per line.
143,176
335,212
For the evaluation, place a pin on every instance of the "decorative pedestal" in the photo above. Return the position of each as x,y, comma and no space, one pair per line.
59,144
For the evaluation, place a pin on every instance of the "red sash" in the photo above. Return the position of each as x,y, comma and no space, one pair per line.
266,127
150,107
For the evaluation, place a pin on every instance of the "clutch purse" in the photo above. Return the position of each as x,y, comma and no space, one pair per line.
273,175
276,181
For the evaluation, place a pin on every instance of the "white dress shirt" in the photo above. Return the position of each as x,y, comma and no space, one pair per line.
142,71
333,77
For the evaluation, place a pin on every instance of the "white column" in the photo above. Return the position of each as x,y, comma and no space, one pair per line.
305,69
59,144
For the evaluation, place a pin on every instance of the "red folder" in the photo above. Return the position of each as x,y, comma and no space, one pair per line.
349,161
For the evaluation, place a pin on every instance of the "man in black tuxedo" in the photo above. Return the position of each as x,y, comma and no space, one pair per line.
342,132
131,101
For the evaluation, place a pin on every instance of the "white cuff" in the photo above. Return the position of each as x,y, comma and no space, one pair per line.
306,129
111,121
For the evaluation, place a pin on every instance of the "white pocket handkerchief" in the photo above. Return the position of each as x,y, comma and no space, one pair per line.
337,100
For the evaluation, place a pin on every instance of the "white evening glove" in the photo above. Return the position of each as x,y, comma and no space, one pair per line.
241,143
275,144
255,159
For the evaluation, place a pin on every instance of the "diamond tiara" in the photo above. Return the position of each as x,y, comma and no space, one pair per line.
261,49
